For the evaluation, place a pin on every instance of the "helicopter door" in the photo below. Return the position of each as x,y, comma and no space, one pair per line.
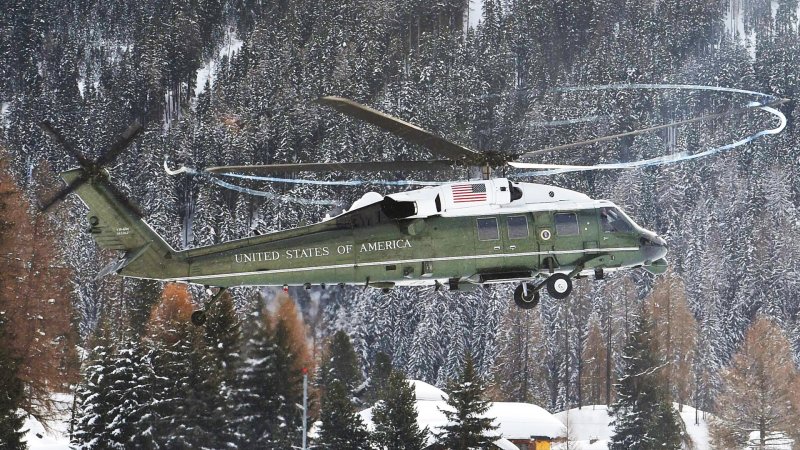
521,247
590,230
489,245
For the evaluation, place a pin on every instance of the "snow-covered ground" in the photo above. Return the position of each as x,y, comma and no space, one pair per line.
3,113
231,44
58,436
589,428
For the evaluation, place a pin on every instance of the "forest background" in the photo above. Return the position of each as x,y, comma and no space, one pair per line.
234,82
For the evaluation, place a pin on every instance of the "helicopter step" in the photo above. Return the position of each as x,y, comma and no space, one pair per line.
498,277
199,316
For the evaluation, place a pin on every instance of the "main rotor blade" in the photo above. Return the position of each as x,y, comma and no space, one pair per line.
62,194
55,135
122,142
731,112
336,167
405,130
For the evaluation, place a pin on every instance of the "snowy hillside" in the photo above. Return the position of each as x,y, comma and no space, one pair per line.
57,438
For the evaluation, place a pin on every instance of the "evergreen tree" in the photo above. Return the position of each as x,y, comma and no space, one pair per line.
342,428
395,417
378,377
131,397
467,426
340,363
255,391
288,416
97,397
223,337
643,415
11,395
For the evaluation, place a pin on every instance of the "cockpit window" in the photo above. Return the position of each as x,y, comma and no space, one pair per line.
613,221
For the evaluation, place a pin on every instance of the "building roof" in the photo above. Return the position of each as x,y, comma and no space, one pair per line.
515,421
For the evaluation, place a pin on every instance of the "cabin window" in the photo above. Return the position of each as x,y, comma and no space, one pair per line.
567,224
613,221
487,229
517,227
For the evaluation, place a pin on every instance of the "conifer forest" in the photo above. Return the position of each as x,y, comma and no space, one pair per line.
235,82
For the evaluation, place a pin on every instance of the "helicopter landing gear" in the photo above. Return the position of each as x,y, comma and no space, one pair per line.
526,296
559,286
199,316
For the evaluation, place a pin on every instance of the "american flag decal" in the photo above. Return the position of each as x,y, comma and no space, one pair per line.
464,193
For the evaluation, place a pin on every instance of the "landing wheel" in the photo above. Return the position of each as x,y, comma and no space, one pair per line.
199,317
526,300
559,286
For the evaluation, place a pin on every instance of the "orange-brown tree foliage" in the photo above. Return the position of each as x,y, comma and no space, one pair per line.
288,314
35,298
595,356
759,391
169,317
675,330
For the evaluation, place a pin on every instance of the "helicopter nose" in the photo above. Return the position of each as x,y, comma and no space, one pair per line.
653,247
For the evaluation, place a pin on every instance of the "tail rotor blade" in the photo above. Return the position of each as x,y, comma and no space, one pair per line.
53,133
62,194
122,143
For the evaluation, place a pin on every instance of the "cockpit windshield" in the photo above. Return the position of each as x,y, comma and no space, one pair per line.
615,221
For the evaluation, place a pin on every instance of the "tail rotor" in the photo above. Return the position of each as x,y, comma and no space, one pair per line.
91,169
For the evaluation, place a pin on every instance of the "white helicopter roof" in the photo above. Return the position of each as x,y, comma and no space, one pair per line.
498,195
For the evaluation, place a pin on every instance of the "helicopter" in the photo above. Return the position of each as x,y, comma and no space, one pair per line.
459,235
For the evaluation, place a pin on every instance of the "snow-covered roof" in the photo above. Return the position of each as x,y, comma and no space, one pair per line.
524,420
772,441
514,420
429,414
425,391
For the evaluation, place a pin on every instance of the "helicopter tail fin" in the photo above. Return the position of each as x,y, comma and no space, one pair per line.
116,224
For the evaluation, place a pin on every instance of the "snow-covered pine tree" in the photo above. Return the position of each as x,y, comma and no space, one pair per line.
378,378
11,396
131,396
92,415
395,417
223,338
189,409
340,362
255,391
467,425
342,428
643,414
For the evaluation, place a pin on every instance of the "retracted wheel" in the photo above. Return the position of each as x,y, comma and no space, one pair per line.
199,317
559,286
526,296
